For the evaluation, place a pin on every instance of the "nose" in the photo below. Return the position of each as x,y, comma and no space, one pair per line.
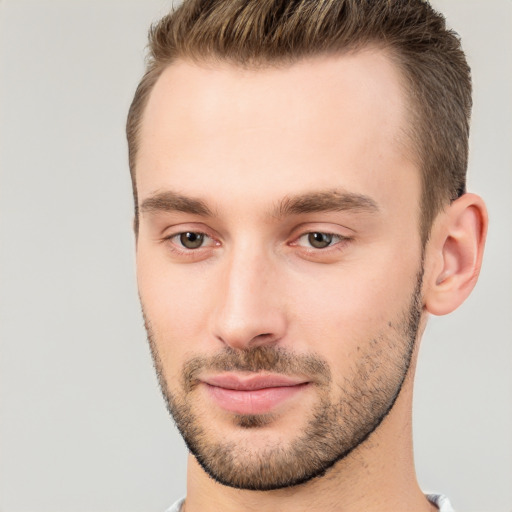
250,308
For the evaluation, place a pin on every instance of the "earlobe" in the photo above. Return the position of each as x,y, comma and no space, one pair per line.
454,254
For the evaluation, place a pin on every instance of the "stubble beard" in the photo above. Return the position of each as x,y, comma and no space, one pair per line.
334,429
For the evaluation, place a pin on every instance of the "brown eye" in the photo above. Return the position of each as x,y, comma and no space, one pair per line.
191,240
320,240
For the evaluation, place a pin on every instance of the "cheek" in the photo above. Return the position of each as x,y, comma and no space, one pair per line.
175,302
343,307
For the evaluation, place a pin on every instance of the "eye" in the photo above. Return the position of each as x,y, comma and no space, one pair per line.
190,246
319,240
191,240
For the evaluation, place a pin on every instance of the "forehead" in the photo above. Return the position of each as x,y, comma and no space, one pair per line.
212,127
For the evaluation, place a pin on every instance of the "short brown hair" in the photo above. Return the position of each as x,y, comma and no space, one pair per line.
279,32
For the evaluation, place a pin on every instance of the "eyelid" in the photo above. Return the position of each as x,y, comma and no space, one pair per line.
340,238
205,235
170,238
330,254
326,228
173,230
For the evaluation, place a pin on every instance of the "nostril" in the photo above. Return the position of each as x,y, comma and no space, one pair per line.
264,339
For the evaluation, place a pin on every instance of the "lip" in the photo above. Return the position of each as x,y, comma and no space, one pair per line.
252,394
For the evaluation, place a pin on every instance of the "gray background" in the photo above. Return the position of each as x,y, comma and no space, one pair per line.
82,424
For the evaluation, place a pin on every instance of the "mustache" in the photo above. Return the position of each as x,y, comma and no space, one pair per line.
257,359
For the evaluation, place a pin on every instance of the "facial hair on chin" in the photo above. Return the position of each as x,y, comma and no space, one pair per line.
334,428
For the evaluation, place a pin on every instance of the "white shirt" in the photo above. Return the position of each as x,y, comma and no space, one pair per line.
442,502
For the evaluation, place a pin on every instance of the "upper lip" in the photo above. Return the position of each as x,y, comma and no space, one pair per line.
252,382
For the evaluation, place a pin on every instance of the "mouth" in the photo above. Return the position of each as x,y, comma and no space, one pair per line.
254,393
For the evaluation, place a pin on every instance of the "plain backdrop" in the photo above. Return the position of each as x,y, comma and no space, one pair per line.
82,423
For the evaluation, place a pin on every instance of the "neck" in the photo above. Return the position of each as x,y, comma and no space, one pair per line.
378,476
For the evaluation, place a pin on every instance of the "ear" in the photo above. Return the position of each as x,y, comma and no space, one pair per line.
454,254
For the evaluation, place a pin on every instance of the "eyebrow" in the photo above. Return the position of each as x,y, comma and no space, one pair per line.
170,201
311,202
325,201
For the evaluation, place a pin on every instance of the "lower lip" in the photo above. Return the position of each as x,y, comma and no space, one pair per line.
257,401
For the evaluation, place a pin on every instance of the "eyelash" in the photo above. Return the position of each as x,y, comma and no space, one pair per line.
340,239
175,245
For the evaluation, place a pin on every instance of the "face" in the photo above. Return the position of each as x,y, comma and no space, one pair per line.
279,259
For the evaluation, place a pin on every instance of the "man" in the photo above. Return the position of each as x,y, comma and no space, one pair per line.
298,170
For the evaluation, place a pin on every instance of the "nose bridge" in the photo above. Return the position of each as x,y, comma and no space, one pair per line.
249,312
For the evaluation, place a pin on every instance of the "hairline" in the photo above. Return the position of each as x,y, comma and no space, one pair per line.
411,130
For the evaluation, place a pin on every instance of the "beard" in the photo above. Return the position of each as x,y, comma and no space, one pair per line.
335,426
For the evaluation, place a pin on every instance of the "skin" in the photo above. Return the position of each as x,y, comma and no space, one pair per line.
242,142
